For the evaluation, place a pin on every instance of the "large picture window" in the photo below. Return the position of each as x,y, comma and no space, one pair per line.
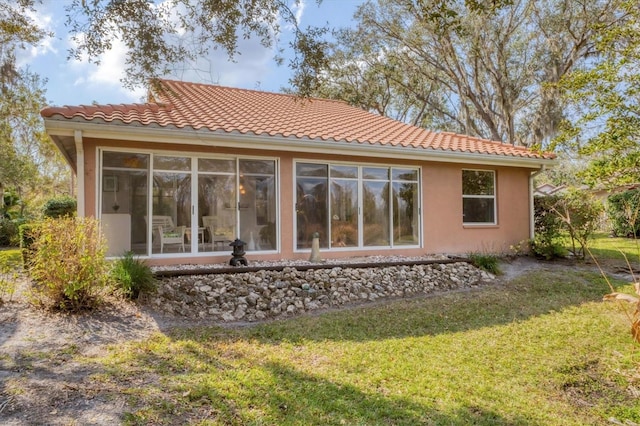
478,197
352,206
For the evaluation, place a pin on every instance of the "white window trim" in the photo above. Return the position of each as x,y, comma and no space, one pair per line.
100,150
494,197
360,179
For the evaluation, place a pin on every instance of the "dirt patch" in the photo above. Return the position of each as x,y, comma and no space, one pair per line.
40,383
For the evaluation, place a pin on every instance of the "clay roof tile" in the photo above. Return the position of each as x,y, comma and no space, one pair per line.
215,108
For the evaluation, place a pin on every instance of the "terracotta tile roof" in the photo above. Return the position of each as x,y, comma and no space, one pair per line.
226,110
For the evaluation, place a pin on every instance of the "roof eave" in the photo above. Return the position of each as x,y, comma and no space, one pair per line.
205,137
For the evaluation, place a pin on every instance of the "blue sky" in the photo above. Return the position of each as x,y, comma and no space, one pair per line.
71,82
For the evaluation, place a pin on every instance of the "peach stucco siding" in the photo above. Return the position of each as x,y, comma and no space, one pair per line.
444,231
441,220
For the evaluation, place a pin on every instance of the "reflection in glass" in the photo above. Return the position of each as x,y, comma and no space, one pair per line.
377,173
375,199
216,211
216,165
161,162
344,213
405,213
171,206
311,211
124,202
477,182
257,204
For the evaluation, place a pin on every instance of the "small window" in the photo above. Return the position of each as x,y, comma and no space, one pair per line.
478,197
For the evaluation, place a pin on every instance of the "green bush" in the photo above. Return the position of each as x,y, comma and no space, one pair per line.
132,276
623,210
8,232
580,214
25,233
60,207
487,262
9,265
67,263
548,250
547,243
574,214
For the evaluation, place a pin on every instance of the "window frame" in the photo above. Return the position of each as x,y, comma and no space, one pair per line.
494,197
194,173
361,179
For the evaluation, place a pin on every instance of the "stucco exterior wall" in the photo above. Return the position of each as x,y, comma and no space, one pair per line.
444,231
441,184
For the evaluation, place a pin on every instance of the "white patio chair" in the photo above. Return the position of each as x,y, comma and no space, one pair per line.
167,231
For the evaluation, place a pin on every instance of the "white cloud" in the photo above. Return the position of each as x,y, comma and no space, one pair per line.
298,10
250,68
253,68
106,76
43,19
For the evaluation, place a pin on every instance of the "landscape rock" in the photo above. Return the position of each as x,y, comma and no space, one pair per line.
255,296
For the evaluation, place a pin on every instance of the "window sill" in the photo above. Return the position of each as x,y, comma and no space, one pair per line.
480,226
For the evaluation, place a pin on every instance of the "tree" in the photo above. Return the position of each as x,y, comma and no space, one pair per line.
370,77
488,72
162,36
28,159
605,127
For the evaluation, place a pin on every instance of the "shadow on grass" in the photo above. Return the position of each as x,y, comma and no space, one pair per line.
532,294
615,256
276,394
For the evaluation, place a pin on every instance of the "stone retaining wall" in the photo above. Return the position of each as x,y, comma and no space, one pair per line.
251,296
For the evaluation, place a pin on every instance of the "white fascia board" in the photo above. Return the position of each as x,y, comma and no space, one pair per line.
186,136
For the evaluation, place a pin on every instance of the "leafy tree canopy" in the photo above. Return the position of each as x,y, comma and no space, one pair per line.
29,163
487,71
605,125
162,36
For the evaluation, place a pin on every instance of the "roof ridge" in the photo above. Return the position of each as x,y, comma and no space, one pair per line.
240,89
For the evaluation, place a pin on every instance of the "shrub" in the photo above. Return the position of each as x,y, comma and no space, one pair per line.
487,262
68,263
8,274
548,229
60,207
547,249
26,232
132,276
580,214
8,232
623,211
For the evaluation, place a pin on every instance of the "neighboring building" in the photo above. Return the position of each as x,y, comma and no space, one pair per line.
549,189
177,178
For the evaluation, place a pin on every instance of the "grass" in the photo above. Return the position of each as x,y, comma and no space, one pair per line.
10,257
541,350
10,264
607,248
485,261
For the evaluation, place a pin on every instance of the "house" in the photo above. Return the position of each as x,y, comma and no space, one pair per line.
547,189
176,179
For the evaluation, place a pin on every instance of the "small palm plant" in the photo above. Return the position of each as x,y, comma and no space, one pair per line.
133,276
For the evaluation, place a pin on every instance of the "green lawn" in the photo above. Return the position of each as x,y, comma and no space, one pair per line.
10,258
542,350
10,264
607,248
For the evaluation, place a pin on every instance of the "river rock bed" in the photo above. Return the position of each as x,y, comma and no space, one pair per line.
259,295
